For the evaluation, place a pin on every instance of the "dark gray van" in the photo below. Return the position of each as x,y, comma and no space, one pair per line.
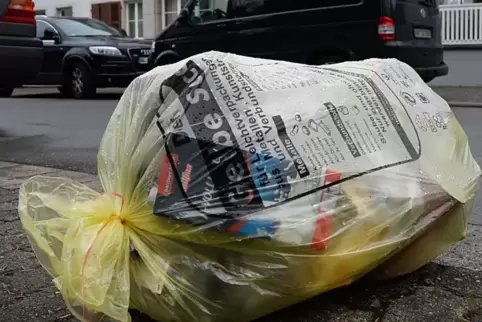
309,31
21,53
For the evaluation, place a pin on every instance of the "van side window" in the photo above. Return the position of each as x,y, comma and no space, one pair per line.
246,8
209,10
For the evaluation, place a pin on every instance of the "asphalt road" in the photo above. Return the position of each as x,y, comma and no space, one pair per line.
38,126
465,68
48,130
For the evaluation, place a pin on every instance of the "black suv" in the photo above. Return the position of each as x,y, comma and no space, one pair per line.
309,31
82,54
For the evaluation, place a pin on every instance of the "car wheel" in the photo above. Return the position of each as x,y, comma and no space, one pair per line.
167,60
6,92
81,82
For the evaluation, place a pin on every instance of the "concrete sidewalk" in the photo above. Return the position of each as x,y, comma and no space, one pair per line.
449,290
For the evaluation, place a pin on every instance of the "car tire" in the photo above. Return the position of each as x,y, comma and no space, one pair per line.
328,60
167,60
64,90
6,92
80,84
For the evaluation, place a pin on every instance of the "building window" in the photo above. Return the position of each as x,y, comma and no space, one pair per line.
40,12
64,12
172,9
135,26
109,12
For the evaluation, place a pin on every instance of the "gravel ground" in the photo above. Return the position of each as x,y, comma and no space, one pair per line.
436,292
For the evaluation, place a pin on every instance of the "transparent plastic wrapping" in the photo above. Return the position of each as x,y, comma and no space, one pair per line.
234,187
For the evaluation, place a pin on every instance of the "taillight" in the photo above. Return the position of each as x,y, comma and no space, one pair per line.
386,28
22,11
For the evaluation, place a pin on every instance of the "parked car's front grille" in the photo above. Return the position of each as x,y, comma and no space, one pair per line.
140,58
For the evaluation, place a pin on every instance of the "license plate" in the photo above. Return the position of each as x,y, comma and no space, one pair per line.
143,60
422,33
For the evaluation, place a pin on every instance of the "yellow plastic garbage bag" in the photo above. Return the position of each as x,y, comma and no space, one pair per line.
235,186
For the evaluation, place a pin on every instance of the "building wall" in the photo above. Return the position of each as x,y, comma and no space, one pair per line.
153,17
151,12
80,8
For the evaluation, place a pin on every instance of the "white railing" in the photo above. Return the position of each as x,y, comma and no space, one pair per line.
461,24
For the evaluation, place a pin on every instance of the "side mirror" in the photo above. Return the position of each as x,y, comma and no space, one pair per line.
50,34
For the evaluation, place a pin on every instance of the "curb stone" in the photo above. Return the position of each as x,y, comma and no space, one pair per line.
438,292
465,104
9,140
460,96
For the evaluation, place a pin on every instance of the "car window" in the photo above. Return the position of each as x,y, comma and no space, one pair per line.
209,10
85,27
41,27
98,24
245,8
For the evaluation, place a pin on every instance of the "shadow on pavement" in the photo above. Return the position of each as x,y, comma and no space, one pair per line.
53,93
432,293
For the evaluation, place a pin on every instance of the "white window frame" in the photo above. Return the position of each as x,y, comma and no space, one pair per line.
178,7
57,9
134,33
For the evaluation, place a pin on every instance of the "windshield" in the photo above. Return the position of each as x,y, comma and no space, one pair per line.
86,27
